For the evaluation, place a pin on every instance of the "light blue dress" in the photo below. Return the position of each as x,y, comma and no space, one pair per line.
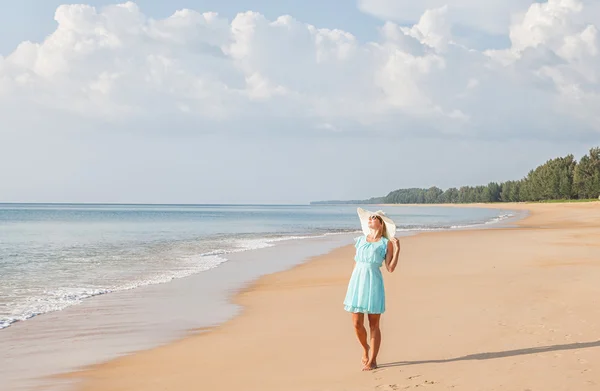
365,292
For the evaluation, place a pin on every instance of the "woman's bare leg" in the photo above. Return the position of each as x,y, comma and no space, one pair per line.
361,333
375,341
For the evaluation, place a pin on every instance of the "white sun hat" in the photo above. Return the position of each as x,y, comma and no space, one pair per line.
390,226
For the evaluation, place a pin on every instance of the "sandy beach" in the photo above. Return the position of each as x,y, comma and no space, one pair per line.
489,309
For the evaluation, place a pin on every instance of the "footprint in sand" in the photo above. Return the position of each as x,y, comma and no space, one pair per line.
387,387
424,383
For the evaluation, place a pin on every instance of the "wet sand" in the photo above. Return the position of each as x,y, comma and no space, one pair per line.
494,309
109,326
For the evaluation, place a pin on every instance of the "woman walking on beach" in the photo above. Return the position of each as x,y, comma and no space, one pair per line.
366,294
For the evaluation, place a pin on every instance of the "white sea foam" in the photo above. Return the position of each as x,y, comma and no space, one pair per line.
500,218
61,298
494,220
51,301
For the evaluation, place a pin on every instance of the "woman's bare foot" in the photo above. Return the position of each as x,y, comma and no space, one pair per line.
365,358
370,365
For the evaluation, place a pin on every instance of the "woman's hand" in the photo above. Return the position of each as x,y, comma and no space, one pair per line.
395,243
391,259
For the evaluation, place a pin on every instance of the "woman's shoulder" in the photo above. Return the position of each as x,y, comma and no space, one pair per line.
358,241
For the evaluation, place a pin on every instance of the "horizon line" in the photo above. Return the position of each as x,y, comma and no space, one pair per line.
148,203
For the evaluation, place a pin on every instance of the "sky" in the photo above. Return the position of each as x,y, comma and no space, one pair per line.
256,101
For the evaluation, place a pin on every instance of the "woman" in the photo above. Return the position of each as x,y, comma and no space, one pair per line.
366,294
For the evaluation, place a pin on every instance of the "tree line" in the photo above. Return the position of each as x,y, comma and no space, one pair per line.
562,178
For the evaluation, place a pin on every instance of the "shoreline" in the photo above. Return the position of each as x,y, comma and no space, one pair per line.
228,300
223,254
233,296
109,326
238,298
238,360
220,256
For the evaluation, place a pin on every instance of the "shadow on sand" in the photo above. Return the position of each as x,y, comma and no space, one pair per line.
492,355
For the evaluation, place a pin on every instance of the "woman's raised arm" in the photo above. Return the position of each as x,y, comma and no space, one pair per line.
392,254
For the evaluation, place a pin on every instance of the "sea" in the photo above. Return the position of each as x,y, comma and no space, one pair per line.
84,283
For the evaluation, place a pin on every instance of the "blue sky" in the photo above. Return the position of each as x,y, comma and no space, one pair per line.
34,19
140,103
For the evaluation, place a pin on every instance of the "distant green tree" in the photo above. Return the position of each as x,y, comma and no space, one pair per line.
494,190
586,181
463,195
510,191
451,195
595,162
433,194
560,178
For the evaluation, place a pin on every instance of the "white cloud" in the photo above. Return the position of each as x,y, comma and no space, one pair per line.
116,68
553,45
433,28
492,16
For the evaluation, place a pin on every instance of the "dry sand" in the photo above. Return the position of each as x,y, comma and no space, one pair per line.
497,309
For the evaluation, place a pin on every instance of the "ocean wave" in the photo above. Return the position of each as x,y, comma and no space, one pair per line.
62,298
500,218
441,227
52,301
494,220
